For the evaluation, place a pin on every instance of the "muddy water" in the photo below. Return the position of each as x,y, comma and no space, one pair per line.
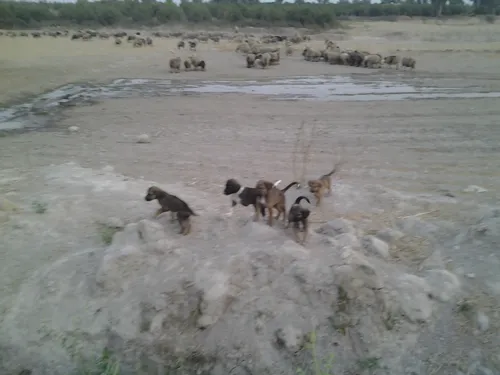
37,113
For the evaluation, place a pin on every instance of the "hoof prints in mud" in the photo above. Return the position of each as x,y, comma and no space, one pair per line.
339,88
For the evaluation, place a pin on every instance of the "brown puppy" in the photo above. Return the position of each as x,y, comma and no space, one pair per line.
243,195
272,197
322,185
175,205
299,215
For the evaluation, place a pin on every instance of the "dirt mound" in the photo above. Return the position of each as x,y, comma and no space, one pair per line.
233,297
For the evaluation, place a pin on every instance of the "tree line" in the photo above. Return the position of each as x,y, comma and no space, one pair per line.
15,14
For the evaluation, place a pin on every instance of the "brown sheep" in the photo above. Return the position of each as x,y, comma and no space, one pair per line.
392,60
332,57
149,41
187,65
289,51
372,61
250,60
344,58
118,41
139,42
175,64
181,44
243,48
311,55
274,58
408,62
263,60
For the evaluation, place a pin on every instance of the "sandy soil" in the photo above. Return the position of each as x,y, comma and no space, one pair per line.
426,151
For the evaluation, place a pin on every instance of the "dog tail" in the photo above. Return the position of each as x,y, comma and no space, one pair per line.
297,201
289,186
334,170
191,211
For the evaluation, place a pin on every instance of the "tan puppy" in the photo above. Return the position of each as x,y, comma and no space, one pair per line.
272,197
322,185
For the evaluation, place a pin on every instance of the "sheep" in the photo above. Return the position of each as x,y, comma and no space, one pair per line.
355,58
263,60
175,64
250,60
392,60
371,61
408,62
274,58
311,55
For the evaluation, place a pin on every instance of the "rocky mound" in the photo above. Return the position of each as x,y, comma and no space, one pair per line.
236,297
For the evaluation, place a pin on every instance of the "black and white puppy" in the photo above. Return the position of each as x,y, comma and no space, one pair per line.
299,215
243,195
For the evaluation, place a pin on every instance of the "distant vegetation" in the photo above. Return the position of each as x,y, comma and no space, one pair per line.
223,12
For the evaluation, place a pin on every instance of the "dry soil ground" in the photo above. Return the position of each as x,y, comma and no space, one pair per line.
426,151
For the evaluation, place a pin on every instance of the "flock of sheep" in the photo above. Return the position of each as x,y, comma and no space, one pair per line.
332,54
260,51
259,55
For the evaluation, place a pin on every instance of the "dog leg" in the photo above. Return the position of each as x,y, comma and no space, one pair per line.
305,224
318,198
270,221
258,208
296,230
230,212
158,212
172,216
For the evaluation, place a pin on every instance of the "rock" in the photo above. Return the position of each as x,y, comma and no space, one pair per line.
414,302
290,338
8,206
215,296
341,320
113,222
389,235
483,322
476,369
444,285
150,231
376,246
143,138
474,189
335,227
73,129
358,274
348,240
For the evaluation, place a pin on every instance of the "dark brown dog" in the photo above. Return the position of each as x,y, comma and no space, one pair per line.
175,205
272,197
243,195
299,215
322,185
184,222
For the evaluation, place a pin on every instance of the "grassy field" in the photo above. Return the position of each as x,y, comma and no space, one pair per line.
31,66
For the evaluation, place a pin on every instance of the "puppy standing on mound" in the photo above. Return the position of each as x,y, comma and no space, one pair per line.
175,205
299,215
244,195
272,197
322,185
